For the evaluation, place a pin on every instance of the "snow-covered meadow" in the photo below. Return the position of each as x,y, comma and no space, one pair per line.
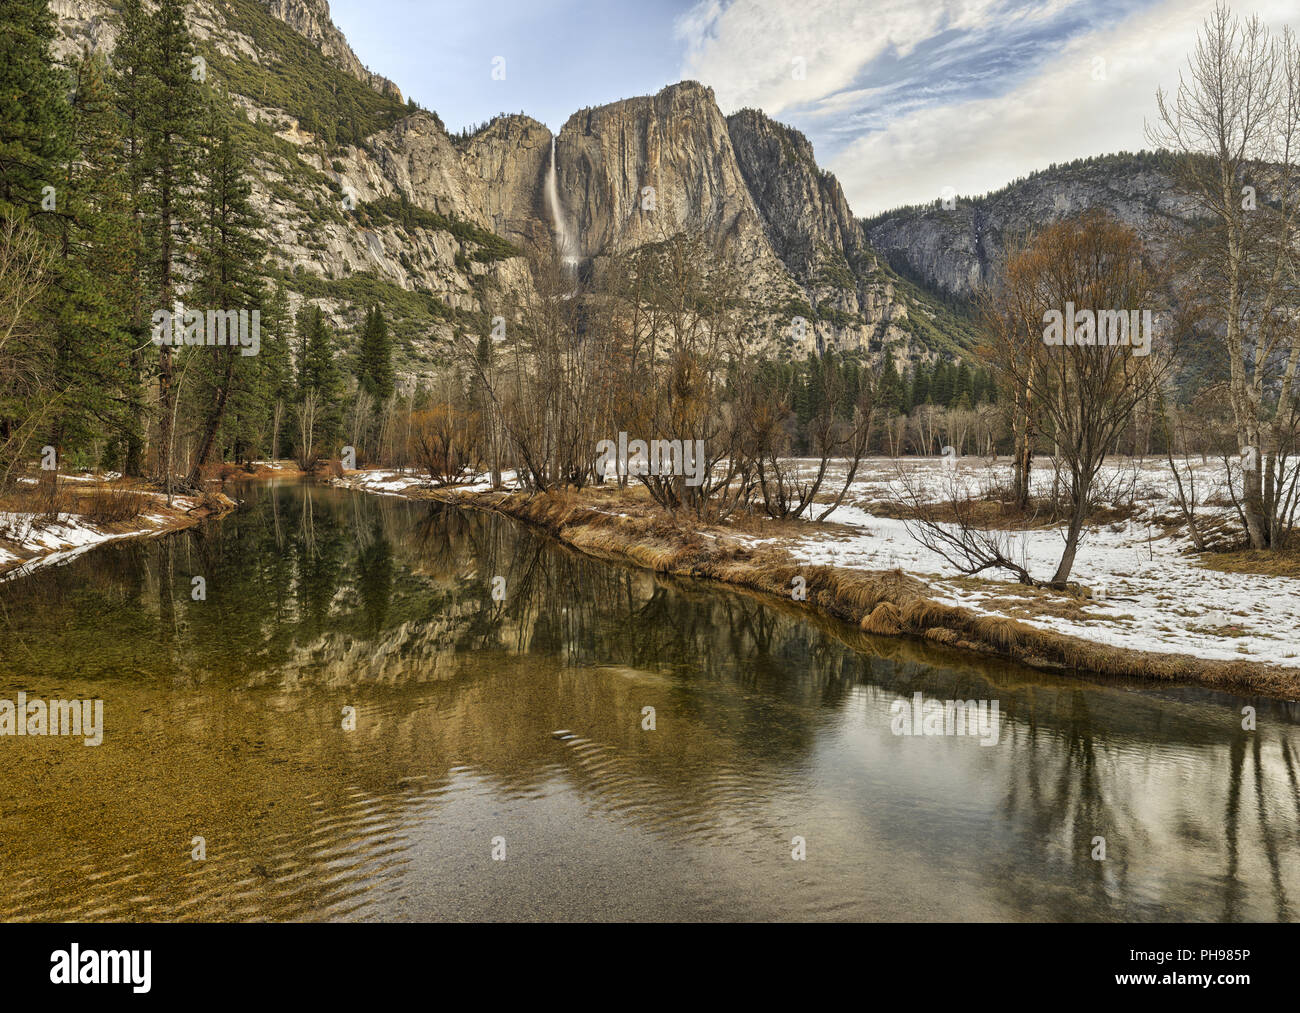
1158,595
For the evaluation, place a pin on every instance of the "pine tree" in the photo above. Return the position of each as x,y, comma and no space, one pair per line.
169,128
920,385
815,396
941,384
130,86
91,337
891,387
375,372
33,150
274,393
851,389
964,385
319,374
229,265
33,110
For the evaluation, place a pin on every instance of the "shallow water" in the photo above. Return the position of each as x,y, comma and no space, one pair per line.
517,726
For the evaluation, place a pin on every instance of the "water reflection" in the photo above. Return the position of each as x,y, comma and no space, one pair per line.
522,719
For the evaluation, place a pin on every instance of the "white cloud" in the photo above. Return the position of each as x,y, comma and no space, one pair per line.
1060,114
746,49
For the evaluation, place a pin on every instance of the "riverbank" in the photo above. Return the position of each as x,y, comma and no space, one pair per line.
1001,619
89,511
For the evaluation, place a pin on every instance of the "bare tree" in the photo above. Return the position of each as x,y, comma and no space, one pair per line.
443,442
24,263
949,525
677,316
306,412
1082,380
1235,119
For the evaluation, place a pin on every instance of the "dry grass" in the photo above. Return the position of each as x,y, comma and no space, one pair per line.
99,502
993,514
883,620
45,500
885,603
1283,563
111,503
1020,601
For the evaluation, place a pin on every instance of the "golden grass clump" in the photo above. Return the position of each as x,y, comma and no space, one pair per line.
923,613
1004,634
884,619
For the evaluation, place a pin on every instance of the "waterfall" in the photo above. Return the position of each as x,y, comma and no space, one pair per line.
564,241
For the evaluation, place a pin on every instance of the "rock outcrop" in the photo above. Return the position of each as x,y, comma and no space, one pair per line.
639,170
955,249
804,210
511,156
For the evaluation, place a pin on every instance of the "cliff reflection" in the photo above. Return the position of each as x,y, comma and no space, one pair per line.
524,716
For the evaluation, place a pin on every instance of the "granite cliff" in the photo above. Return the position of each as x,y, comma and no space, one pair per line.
367,198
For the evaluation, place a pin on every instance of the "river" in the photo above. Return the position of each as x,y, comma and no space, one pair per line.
346,723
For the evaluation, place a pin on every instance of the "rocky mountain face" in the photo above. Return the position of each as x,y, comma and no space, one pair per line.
511,157
311,19
438,227
642,169
955,249
804,211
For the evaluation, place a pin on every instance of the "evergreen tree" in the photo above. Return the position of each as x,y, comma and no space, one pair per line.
229,266
269,409
891,387
33,152
815,396
941,385
964,385
169,134
319,374
130,85
91,337
920,385
851,389
375,372
33,110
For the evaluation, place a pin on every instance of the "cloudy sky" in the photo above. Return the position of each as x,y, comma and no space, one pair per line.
900,98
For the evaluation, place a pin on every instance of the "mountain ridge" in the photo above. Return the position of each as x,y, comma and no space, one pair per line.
366,197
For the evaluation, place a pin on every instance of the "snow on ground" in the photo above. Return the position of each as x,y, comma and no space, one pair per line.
1157,597
35,544
389,483
394,483
279,465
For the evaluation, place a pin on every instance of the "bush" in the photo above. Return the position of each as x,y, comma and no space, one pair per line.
109,504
